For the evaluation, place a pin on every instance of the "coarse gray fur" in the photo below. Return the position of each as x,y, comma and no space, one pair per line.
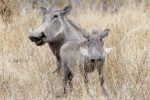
56,30
87,53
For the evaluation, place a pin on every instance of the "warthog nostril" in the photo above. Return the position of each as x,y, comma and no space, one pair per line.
32,38
43,35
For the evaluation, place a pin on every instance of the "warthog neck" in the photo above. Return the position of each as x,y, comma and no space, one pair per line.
70,31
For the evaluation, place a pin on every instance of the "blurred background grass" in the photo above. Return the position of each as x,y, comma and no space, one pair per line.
26,70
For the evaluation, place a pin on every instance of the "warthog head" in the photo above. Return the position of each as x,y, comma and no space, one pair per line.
94,44
51,27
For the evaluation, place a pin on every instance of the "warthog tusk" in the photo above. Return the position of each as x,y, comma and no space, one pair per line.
84,51
30,30
108,50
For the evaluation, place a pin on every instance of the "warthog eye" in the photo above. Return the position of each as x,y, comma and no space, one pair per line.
55,16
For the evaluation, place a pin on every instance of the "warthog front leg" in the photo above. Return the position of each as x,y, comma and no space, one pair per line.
67,77
101,75
70,76
65,80
58,64
85,77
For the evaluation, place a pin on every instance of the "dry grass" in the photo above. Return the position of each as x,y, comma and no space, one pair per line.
26,70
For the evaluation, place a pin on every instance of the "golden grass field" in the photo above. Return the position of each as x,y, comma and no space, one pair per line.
26,71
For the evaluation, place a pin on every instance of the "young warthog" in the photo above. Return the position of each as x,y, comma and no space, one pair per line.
56,30
88,54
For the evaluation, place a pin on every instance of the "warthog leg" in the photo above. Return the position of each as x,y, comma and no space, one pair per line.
101,75
58,64
67,78
70,76
85,77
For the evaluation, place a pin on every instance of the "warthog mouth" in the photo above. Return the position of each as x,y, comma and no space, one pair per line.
38,40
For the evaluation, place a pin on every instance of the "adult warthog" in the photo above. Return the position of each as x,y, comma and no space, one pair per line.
56,30
88,54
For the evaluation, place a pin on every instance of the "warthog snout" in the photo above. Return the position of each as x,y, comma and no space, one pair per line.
40,40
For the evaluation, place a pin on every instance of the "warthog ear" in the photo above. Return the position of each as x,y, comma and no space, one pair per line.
104,33
86,36
66,10
44,10
82,42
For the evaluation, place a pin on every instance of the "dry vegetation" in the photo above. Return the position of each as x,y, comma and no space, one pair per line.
26,70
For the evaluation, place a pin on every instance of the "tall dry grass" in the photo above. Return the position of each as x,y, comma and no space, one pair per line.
26,70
